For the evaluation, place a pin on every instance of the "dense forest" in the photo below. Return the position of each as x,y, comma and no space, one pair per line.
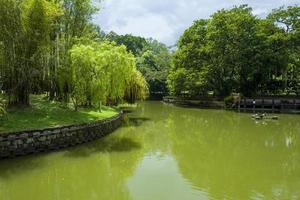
152,60
234,51
52,47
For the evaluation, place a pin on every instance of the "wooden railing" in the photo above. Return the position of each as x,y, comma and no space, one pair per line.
269,104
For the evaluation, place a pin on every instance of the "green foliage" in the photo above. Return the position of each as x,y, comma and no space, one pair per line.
137,88
74,27
234,51
153,59
189,71
154,64
134,44
43,113
289,17
27,27
52,46
102,72
177,81
37,37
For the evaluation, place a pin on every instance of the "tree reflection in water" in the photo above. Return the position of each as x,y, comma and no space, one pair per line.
167,152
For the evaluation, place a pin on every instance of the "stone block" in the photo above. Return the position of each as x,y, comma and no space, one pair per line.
24,143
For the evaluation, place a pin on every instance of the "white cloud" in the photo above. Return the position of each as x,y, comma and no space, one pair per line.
149,25
165,20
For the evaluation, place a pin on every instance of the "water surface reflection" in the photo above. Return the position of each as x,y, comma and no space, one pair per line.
166,152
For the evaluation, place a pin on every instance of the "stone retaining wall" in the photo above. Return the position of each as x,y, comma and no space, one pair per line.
35,141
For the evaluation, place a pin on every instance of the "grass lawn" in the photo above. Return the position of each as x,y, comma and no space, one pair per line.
46,114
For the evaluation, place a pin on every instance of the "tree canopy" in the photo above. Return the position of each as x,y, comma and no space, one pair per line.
100,72
153,59
235,51
51,46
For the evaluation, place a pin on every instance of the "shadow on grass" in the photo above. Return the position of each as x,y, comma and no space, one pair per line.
46,114
106,145
135,121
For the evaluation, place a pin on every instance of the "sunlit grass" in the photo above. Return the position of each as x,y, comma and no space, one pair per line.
43,114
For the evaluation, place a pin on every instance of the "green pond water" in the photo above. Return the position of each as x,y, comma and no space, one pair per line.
168,153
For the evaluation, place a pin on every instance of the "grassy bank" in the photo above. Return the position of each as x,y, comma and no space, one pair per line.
43,114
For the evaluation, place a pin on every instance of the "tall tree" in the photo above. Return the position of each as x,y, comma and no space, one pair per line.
103,72
233,51
154,64
73,25
153,60
189,72
288,18
26,26
134,44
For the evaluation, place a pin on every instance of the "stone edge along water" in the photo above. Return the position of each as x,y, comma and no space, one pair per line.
50,139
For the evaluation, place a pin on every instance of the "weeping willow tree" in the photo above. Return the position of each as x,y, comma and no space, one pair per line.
25,27
50,46
102,73
74,25
137,88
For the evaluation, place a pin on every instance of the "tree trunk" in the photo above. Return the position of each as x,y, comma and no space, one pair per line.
20,97
100,106
23,98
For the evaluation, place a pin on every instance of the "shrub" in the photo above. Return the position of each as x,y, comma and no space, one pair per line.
231,101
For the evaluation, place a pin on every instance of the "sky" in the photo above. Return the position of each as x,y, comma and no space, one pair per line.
166,20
